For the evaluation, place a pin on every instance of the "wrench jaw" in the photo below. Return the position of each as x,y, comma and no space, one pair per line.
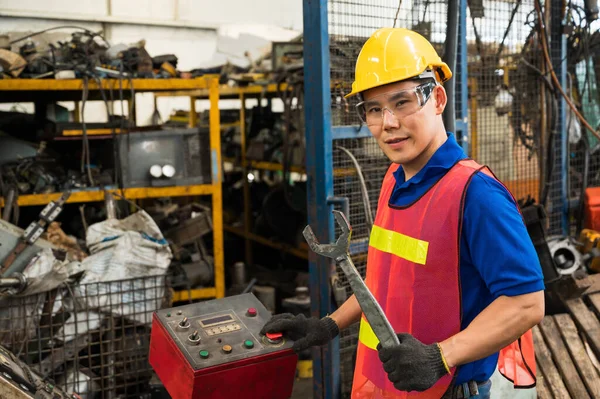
337,250
329,251
344,224
311,239
341,246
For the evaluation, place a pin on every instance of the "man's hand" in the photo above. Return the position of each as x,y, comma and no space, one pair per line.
412,365
304,332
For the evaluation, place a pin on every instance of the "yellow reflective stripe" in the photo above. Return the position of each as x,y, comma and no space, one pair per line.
405,247
366,335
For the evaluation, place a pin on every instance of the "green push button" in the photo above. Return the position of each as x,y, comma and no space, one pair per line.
248,344
204,354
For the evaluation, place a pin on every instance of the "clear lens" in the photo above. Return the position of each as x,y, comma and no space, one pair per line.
401,104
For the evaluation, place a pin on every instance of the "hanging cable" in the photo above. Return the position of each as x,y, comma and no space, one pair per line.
397,12
544,45
507,31
363,187
89,32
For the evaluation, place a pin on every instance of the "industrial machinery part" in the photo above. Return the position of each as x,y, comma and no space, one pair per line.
339,251
299,304
11,237
165,157
590,240
12,63
535,216
18,381
591,10
214,350
565,254
16,283
33,232
109,203
190,223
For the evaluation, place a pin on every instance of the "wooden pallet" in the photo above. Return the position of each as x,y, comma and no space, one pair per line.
567,347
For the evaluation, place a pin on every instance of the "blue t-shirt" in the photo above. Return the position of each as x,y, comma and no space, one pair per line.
497,256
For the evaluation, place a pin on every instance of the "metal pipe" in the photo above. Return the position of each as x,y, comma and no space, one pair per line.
8,204
109,202
10,282
450,49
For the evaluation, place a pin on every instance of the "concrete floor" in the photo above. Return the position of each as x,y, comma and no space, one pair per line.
503,389
302,389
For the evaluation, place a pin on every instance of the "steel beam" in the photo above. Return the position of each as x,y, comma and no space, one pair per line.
319,170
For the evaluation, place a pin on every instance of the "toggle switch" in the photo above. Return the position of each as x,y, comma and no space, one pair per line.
194,338
184,324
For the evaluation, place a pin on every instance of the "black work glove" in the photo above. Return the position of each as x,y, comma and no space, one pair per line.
304,332
412,365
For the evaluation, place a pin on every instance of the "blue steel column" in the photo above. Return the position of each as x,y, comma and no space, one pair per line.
558,52
319,165
462,112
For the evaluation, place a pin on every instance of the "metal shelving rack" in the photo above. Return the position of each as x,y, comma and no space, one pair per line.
243,94
42,92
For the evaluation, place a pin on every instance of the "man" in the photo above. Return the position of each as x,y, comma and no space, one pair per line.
450,261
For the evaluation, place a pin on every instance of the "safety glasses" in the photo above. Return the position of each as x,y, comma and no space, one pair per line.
400,104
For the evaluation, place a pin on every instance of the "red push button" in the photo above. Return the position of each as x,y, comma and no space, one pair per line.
251,312
274,338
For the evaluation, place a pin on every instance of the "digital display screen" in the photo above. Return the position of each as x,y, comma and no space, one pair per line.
216,320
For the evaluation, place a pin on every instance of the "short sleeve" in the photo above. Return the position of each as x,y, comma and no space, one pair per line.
497,240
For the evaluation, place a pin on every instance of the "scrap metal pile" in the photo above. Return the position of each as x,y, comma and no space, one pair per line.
82,318
87,53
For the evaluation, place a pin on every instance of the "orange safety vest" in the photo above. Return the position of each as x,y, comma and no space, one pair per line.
413,272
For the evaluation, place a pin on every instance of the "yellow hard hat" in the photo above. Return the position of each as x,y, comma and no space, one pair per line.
395,54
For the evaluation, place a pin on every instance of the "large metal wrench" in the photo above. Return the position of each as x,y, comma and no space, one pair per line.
370,307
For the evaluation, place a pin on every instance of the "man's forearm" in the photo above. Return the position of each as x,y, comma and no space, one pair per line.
347,314
500,324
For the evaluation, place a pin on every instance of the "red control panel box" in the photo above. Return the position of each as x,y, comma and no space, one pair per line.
214,350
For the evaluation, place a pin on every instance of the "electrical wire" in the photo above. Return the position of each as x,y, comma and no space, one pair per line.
363,187
89,32
397,12
557,84
506,32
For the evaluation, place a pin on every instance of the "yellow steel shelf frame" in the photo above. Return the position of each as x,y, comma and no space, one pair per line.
129,193
210,85
227,91
242,94
139,85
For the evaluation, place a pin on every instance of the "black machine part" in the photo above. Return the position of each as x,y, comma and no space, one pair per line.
566,257
187,151
35,230
591,10
534,216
